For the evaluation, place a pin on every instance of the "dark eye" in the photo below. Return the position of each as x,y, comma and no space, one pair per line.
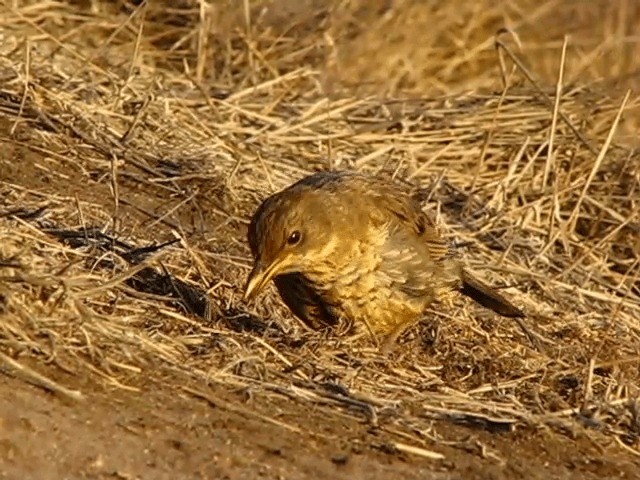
294,238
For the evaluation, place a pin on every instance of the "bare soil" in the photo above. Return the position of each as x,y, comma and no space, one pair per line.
162,432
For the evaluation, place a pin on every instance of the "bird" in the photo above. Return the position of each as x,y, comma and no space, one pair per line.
356,249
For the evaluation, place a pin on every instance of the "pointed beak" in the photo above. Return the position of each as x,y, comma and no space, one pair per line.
260,276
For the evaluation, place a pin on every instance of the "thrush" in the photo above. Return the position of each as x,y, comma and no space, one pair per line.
349,247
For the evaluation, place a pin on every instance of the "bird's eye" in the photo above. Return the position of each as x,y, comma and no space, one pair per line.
294,238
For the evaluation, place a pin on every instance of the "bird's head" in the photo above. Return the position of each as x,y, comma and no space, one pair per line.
292,231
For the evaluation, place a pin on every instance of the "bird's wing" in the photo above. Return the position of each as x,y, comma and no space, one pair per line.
406,210
415,257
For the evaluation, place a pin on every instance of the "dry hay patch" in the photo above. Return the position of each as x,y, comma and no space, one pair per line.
126,188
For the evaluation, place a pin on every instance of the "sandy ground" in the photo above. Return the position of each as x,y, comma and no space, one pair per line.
163,433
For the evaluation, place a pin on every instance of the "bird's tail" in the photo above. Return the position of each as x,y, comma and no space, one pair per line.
488,296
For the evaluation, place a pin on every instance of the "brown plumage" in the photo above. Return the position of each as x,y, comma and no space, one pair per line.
343,246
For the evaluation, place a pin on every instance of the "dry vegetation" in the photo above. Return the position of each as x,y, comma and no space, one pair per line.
162,125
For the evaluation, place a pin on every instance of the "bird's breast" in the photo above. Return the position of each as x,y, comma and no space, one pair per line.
374,280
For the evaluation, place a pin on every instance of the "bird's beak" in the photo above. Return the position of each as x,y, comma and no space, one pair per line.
260,276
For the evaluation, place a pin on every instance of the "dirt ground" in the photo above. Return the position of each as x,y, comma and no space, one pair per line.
163,433
124,127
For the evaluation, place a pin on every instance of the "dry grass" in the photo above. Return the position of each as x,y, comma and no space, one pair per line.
135,127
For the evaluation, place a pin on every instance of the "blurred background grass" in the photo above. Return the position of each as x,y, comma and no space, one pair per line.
385,48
